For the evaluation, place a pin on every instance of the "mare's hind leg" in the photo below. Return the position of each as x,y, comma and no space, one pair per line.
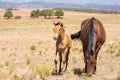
56,61
85,60
65,58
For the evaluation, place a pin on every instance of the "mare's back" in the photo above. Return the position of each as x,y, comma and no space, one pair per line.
99,29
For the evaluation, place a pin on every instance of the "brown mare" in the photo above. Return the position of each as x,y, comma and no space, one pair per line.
92,35
63,45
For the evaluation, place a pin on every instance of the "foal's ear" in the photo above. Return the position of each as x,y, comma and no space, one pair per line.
61,24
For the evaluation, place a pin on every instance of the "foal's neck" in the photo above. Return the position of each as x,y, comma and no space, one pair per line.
62,33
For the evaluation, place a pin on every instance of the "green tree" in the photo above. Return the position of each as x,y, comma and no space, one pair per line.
47,12
50,13
8,14
59,13
35,13
44,13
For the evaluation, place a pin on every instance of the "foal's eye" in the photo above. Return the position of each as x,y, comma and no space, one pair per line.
59,29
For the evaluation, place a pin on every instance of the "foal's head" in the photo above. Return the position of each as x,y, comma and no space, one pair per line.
58,28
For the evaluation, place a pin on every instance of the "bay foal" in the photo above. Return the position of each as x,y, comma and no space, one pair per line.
63,45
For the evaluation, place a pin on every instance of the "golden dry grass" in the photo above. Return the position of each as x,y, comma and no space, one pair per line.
110,21
17,37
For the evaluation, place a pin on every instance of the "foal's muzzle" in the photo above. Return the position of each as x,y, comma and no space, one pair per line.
55,37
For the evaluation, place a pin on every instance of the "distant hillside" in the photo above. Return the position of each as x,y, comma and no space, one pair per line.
102,7
7,5
41,4
103,2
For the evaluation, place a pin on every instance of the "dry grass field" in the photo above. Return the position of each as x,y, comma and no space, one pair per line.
27,47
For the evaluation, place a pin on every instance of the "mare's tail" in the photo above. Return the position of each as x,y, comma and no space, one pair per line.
90,37
76,35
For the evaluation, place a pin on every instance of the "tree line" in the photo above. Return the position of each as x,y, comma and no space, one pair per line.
89,10
58,12
47,13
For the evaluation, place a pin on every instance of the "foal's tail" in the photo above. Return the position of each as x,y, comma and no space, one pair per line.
76,35
90,37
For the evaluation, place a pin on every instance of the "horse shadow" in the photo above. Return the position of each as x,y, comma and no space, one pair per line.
56,73
78,71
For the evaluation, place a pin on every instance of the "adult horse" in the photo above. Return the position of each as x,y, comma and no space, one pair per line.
63,45
92,35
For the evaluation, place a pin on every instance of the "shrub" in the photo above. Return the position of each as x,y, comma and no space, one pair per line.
119,71
8,14
104,78
74,59
6,63
43,70
28,60
118,53
4,48
84,75
11,69
33,47
75,49
17,17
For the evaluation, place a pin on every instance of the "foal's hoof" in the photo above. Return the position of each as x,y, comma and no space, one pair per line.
91,75
64,70
61,73
54,72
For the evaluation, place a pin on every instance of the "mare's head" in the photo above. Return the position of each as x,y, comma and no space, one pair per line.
58,28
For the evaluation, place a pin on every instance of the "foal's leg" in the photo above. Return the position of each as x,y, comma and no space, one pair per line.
56,61
60,59
66,58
